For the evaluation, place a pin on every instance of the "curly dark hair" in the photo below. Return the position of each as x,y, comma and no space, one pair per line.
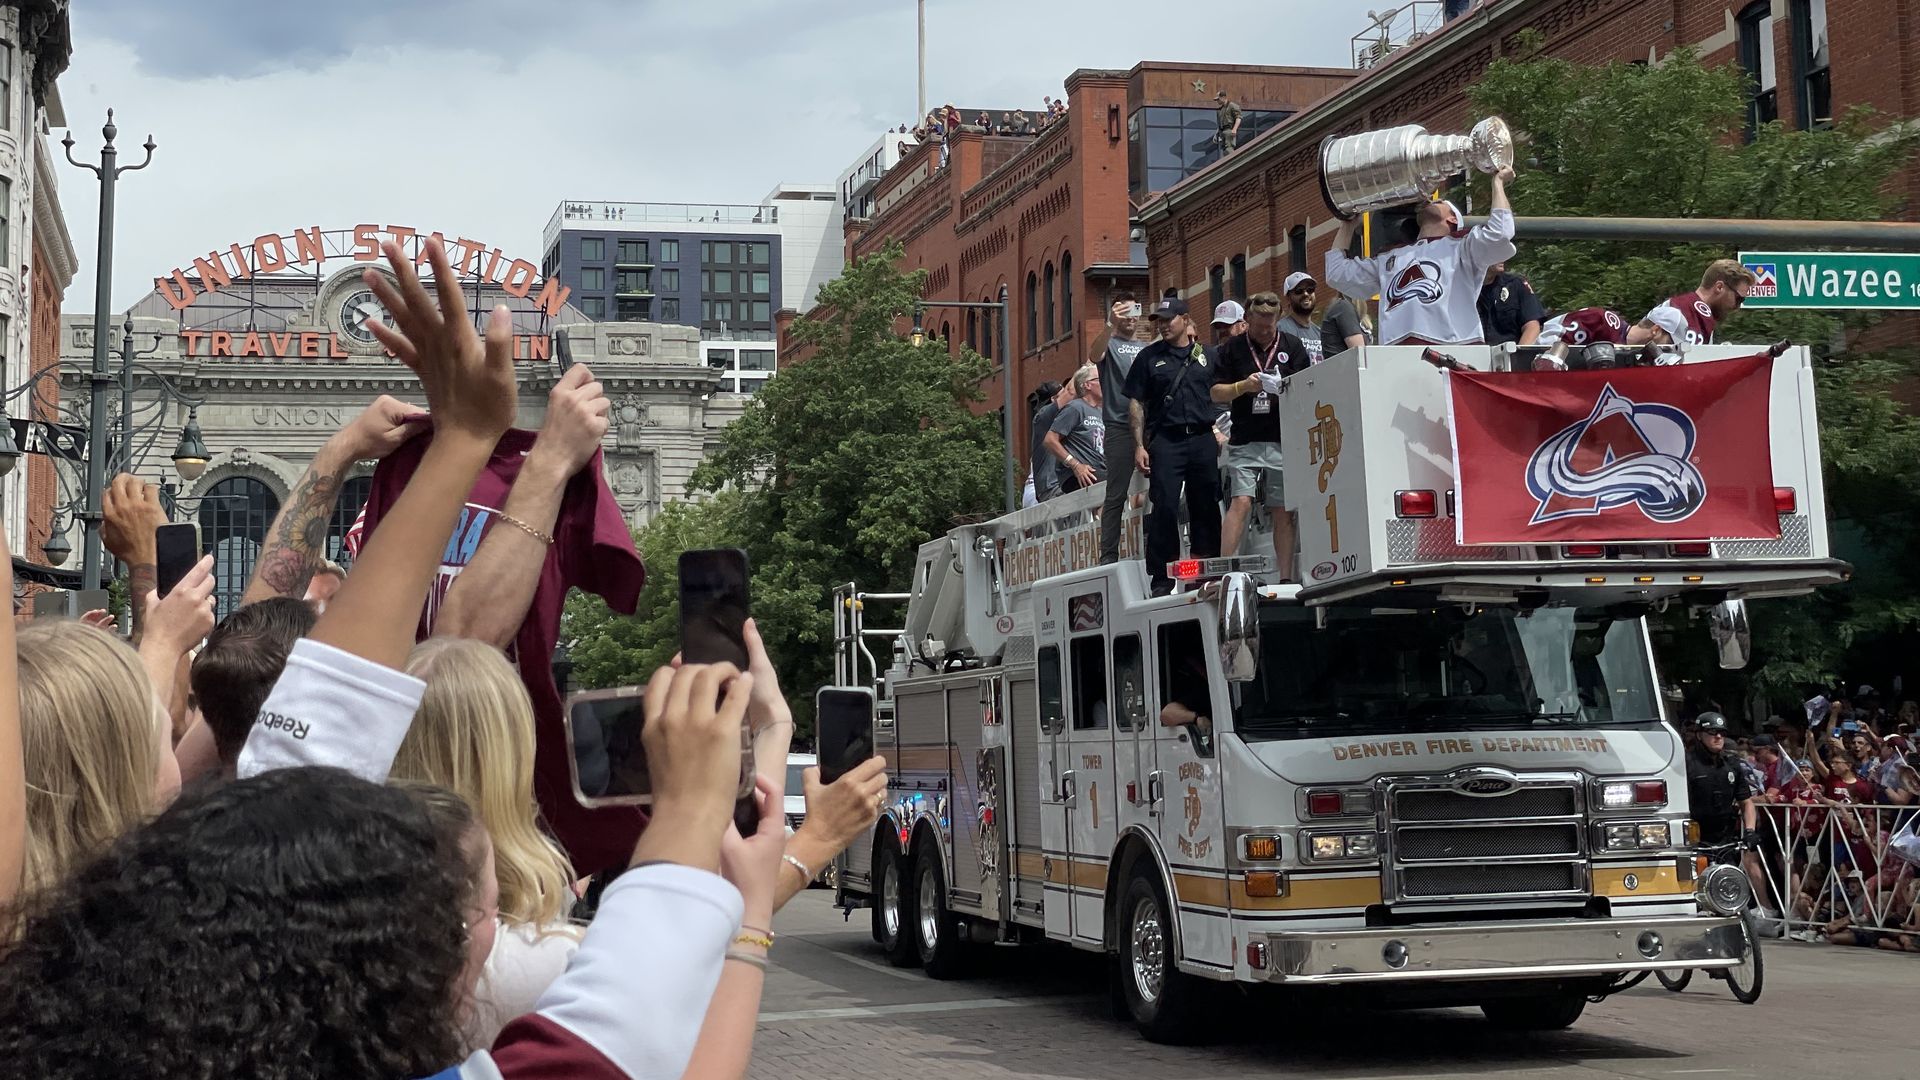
302,923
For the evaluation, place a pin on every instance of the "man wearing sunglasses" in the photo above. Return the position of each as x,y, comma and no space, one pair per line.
1723,288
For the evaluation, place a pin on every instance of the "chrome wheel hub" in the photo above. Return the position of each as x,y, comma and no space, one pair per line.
1149,949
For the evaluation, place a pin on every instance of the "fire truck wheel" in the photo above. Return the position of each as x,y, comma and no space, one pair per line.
892,900
1548,1011
1166,1004
937,932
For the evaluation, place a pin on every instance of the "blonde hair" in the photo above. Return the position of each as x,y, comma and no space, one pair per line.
1726,271
89,729
473,735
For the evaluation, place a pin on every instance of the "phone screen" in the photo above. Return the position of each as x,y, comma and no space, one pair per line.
562,350
713,606
176,549
843,726
608,757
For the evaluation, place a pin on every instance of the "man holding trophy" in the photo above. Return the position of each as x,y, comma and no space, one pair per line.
1429,289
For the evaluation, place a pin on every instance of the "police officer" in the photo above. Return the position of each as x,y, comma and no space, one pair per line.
1717,790
1172,414
1509,310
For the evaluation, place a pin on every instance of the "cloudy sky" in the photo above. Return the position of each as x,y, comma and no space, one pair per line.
477,117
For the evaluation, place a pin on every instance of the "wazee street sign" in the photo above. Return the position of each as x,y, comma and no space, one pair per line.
1827,279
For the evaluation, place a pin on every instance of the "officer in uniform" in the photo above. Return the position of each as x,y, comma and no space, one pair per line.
1717,790
1509,310
1172,413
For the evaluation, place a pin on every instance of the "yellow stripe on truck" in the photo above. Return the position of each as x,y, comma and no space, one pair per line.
1658,879
1303,893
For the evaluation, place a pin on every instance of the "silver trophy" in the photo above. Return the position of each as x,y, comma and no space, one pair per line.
1377,169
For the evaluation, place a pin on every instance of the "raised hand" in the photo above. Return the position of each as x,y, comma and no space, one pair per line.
379,429
131,511
693,756
577,409
185,615
841,812
470,387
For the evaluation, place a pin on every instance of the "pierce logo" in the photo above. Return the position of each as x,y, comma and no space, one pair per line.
1623,454
1323,571
1484,785
1419,281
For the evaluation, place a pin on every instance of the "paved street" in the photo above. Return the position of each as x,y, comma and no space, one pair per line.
833,1008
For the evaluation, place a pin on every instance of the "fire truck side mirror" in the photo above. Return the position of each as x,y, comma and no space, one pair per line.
1239,627
1731,637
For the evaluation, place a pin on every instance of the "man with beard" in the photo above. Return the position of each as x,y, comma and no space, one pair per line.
1723,288
1247,379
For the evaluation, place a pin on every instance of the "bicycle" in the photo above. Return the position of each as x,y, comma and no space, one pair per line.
1727,890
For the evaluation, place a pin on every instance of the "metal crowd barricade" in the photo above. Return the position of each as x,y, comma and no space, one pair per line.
1821,861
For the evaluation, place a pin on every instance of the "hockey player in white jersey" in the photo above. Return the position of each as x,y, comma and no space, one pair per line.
1428,289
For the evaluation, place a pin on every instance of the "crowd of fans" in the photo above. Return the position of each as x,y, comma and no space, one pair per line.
1838,794
310,847
946,120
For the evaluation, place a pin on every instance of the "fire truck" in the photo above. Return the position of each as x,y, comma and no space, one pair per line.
1432,773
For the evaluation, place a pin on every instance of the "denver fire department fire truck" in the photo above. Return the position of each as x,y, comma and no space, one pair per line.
1435,772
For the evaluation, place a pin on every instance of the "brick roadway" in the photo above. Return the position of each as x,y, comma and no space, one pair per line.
833,1009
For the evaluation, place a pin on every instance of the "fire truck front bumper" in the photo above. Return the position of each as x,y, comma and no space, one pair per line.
1565,948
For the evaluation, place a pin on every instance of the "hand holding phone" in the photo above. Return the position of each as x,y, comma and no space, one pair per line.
843,728
713,617
607,746
695,713
176,548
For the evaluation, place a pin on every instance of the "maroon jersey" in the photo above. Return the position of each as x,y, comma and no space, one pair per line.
1584,327
591,549
1699,317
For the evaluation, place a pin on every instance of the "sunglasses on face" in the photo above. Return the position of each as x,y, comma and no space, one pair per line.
1304,290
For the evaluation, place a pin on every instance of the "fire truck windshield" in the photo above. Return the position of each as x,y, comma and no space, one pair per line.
1385,670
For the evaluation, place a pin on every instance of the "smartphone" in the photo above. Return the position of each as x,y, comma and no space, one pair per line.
607,757
713,618
562,350
176,550
1133,309
843,729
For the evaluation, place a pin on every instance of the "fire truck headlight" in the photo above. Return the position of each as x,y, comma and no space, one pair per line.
1329,846
1656,835
1353,845
1622,837
1361,846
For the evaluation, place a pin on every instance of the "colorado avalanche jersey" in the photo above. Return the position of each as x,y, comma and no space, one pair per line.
1584,327
1699,317
1429,289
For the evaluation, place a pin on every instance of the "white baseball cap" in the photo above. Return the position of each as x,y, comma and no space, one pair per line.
1228,312
1668,318
1294,279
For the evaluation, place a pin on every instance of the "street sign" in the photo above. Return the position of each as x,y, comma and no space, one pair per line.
63,441
1832,279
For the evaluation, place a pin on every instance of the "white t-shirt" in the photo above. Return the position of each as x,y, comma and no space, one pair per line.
524,962
1429,289
331,707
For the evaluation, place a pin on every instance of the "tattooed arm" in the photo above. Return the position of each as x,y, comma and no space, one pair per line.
296,541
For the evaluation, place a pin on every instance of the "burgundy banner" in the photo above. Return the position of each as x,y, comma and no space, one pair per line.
1634,454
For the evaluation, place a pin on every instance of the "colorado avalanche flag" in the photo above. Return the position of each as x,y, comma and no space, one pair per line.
1632,454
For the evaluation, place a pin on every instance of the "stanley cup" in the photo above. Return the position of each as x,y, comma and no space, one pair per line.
1377,169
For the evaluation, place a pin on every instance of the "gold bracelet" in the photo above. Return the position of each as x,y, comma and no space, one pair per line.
525,528
765,941
748,958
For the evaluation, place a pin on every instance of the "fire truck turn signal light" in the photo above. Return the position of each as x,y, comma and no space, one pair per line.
1586,551
1416,504
1643,579
1257,955
1263,883
1617,794
1260,846
1596,581
1690,550
1784,501
1692,579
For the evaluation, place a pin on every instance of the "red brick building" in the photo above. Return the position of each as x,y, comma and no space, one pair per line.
1048,216
1261,208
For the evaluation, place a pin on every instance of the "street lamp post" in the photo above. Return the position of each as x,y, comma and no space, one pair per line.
919,337
108,172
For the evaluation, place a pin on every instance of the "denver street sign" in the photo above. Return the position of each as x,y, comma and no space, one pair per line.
1826,279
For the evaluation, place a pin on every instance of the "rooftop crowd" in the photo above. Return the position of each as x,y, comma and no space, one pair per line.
315,847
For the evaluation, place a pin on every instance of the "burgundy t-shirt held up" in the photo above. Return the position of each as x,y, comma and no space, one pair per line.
592,550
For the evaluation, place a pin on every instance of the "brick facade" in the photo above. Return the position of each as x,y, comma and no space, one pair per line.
43,350
1246,206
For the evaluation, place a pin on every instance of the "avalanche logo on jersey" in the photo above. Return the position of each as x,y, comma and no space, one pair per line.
1419,281
1622,454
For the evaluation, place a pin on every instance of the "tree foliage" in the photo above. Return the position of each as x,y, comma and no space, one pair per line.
837,471
1669,141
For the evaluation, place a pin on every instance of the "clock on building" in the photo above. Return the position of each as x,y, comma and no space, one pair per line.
347,307
356,310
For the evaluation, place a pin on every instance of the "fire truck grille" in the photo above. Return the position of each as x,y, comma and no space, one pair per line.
1493,842
1440,804
1452,882
1527,844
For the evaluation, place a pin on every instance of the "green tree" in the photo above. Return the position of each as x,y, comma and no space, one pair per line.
836,472
1668,141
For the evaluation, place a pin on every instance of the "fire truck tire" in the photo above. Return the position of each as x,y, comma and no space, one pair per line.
937,933
1549,1011
892,904
1165,1004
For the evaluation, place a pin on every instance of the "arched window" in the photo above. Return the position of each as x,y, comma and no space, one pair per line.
1066,291
973,330
234,517
1033,310
946,335
353,497
1049,301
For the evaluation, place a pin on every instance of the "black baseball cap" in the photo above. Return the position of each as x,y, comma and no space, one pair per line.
1764,740
1167,308
1711,721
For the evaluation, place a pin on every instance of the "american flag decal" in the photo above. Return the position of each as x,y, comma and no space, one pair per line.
1087,612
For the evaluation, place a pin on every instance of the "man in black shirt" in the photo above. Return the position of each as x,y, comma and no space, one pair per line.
1509,311
1718,794
1247,378
1168,390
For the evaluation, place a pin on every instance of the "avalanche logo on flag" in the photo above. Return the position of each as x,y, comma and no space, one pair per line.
1622,454
1631,455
